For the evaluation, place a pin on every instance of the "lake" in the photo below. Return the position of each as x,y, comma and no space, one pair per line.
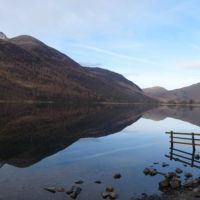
46,145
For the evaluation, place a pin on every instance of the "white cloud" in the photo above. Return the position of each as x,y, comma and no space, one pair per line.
78,18
67,16
189,64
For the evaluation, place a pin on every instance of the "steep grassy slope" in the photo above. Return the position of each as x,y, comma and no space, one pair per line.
31,70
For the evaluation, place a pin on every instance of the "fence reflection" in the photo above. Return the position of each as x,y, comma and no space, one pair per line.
189,158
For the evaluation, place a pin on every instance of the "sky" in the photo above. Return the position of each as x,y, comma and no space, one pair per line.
150,42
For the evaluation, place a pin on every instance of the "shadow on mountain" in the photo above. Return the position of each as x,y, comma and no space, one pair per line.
29,133
185,113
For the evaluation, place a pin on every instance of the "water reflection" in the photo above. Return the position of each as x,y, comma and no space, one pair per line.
29,133
185,113
96,142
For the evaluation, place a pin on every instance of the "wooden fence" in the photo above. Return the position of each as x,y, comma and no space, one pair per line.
176,154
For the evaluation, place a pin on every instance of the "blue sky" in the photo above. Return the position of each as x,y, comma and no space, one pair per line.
151,42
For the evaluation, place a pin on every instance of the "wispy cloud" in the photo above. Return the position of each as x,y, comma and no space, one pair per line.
119,55
191,64
130,37
195,46
131,74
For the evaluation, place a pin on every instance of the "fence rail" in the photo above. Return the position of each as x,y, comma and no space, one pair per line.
180,155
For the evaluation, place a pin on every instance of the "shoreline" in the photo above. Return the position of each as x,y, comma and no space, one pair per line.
97,103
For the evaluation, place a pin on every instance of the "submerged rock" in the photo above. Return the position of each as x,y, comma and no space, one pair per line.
98,182
113,195
188,175
75,193
79,182
153,172
179,171
71,190
50,189
60,190
109,193
105,195
165,165
109,189
146,171
117,176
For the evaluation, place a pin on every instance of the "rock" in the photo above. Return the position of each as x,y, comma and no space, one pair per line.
75,193
196,191
165,165
113,195
170,175
175,183
188,184
164,184
191,183
105,194
146,171
79,182
179,171
109,189
197,180
98,182
71,190
117,176
153,172
188,175
144,194
50,189
60,190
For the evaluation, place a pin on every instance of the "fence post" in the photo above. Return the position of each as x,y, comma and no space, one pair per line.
172,140
193,142
172,144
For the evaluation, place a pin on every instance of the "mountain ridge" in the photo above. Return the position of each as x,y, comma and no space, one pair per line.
189,94
31,70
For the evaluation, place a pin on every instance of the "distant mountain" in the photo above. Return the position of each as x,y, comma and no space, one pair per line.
31,70
190,94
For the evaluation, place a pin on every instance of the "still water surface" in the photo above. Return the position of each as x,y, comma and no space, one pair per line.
45,146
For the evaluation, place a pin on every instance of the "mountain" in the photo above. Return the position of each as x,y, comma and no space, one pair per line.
190,94
3,36
31,70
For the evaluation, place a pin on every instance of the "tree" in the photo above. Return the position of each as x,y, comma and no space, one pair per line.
191,101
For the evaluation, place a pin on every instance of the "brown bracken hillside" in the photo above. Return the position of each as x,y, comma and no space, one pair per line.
31,70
